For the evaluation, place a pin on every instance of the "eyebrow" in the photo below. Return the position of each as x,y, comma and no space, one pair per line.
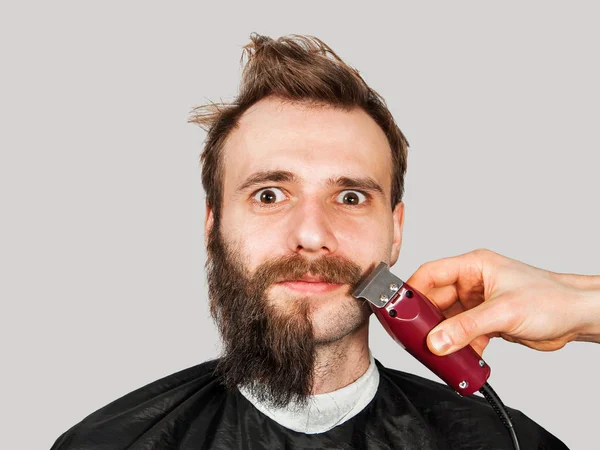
365,183
284,176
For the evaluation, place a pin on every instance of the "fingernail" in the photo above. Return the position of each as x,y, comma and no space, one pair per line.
440,341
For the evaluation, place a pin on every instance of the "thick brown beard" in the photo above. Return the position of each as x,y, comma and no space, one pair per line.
269,350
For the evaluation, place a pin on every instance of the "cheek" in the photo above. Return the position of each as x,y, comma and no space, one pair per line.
254,240
367,240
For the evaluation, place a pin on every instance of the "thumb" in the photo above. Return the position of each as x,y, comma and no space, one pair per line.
459,330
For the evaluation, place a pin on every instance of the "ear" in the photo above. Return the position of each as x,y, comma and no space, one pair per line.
209,221
398,219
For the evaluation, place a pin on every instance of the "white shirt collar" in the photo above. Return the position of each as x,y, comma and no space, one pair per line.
324,411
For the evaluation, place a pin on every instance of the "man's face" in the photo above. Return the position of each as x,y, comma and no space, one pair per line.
306,197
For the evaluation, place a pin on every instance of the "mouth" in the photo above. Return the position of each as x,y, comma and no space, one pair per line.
309,284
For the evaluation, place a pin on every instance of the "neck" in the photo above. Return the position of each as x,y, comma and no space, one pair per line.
340,363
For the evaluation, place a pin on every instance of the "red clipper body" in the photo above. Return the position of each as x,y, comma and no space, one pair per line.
408,316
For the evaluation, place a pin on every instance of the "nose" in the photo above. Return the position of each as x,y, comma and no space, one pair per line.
310,230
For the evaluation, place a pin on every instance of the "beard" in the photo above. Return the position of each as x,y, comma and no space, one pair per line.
267,349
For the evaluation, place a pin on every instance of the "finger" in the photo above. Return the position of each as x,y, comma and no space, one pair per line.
471,286
439,273
456,307
449,302
456,332
453,310
480,343
443,297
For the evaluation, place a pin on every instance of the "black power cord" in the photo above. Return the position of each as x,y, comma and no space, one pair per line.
493,399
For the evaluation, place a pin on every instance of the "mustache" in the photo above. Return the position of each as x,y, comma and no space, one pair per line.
330,269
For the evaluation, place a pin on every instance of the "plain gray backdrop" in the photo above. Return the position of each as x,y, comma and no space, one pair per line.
101,246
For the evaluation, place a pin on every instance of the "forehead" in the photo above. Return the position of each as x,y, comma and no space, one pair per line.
316,143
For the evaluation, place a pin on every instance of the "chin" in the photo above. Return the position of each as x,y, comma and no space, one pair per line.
333,315
335,320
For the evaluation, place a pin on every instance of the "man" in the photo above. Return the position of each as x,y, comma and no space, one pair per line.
304,176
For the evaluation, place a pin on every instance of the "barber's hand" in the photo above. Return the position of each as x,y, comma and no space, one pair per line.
484,294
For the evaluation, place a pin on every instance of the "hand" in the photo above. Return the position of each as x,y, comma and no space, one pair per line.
484,294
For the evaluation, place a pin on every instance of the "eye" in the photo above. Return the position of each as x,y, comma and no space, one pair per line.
269,195
351,197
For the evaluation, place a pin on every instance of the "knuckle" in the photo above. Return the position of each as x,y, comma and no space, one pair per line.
466,327
482,251
424,273
424,266
508,315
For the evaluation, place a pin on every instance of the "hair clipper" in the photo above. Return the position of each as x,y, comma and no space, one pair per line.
409,316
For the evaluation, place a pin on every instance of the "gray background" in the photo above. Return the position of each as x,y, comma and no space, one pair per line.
101,244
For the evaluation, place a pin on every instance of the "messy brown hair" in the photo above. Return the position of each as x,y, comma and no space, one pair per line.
300,69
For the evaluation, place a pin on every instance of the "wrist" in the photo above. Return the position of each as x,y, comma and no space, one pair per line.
590,330
586,297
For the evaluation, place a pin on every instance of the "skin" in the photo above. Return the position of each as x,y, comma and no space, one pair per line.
311,217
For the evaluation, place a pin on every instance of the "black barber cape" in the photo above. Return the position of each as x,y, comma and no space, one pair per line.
191,410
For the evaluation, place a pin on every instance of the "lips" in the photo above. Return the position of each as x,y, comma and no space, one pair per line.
310,284
309,279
